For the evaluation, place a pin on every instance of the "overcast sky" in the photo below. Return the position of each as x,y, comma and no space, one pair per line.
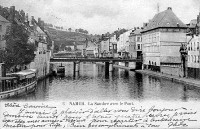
101,16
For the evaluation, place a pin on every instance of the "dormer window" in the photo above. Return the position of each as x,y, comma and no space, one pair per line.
177,24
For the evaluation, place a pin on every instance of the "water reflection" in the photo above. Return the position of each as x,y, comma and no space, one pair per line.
90,83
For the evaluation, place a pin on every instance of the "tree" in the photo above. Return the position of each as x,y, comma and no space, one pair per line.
68,48
70,29
18,50
56,48
85,31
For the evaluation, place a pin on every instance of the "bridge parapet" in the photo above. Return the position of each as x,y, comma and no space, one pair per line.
56,59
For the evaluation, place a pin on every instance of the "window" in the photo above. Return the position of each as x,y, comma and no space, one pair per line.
138,46
0,28
191,57
138,39
3,37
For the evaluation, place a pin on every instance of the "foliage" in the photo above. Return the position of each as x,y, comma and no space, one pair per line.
82,31
119,32
1,55
18,50
68,48
70,29
56,48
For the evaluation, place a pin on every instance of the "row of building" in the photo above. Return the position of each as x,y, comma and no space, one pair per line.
37,36
165,44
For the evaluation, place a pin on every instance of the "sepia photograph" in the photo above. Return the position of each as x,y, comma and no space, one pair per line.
99,64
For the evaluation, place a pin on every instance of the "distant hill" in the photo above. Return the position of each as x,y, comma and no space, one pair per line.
59,35
65,38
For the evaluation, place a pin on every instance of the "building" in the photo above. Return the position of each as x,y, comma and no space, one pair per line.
132,45
37,36
4,25
42,55
104,46
138,39
123,44
135,43
193,49
113,46
91,49
161,41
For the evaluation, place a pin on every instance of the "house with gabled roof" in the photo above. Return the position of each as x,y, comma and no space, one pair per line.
4,24
161,41
193,48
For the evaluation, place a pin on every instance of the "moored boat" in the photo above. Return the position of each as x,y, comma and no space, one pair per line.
19,83
61,70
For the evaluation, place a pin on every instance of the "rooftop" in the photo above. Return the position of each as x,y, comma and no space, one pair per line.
136,32
166,19
192,23
2,19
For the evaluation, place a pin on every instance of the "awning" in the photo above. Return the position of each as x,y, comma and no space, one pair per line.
7,78
25,74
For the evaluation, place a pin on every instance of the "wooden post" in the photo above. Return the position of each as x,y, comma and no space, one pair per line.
111,67
1,86
74,68
126,64
77,69
106,69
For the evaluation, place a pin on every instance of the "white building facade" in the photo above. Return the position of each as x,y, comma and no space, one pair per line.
161,41
42,55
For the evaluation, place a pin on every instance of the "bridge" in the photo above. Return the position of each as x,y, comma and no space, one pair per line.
63,59
108,62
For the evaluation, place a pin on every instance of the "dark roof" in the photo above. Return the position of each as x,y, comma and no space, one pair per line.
165,19
3,19
136,32
192,23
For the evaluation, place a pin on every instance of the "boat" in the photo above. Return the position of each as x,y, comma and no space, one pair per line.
61,70
19,83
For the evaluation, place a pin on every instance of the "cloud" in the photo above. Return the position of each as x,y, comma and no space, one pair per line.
89,8
100,16
196,3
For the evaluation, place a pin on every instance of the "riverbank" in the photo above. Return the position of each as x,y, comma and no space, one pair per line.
119,66
188,81
45,76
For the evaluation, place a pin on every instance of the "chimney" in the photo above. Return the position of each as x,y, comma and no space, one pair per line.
169,8
198,19
26,17
144,25
23,15
39,21
42,25
1,7
12,13
177,24
32,20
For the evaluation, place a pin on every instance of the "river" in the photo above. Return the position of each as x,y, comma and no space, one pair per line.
90,84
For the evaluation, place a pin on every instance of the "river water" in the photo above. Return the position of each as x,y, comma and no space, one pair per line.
90,84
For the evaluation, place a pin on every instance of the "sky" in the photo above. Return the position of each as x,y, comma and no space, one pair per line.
101,16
